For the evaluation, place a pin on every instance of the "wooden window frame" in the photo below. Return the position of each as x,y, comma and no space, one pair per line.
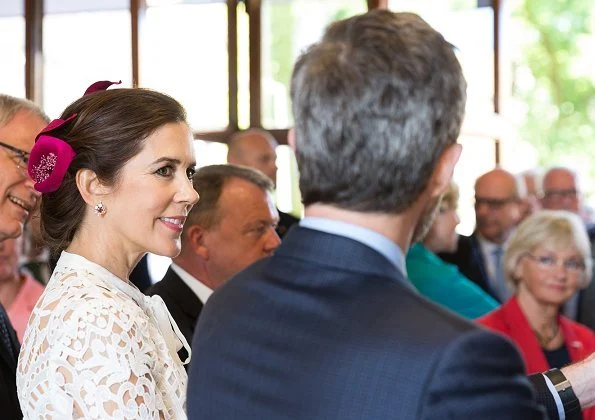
34,12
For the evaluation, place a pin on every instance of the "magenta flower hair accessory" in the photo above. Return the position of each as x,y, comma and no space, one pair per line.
101,85
50,158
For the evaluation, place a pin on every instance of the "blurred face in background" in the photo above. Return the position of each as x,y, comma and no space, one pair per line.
497,206
442,236
560,191
550,276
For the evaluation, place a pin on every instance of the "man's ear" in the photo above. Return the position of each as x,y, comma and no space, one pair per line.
91,188
291,139
195,238
444,169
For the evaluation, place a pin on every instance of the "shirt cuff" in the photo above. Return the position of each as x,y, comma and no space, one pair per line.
557,399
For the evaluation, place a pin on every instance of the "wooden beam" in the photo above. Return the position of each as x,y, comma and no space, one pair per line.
497,9
34,50
232,60
138,10
253,7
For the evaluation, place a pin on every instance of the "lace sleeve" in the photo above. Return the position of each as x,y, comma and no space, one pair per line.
99,363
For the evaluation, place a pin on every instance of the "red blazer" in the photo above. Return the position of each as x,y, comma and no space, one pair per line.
510,321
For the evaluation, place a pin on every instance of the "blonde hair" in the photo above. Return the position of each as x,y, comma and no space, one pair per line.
558,229
450,198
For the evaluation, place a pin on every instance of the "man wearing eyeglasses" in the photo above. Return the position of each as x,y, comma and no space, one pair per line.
20,121
560,191
497,212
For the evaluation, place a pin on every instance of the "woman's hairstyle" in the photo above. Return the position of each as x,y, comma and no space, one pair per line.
450,198
552,230
109,129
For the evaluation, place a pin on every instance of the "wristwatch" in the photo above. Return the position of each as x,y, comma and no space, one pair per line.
572,407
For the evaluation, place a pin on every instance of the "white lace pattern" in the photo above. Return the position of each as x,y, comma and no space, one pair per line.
95,348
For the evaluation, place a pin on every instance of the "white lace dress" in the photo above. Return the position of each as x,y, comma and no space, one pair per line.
97,348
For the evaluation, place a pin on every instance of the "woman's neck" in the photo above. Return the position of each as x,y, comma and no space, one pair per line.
9,289
543,319
105,250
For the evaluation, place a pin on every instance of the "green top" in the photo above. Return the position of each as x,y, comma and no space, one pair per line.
444,284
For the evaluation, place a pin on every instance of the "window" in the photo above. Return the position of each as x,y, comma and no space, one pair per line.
288,27
184,54
83,42
12,47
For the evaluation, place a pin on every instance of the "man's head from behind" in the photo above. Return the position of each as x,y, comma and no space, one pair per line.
231,227
254,148
377,104
20,122
497,205
560,190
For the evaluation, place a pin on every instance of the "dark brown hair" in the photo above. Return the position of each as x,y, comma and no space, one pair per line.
110,129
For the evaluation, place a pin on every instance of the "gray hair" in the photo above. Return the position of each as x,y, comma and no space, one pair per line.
376,103
209,182
559,229
548,174
9,106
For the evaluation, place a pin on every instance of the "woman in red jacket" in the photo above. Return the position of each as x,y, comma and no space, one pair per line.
547,260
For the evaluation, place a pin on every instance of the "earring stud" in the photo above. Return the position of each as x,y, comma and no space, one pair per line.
99,209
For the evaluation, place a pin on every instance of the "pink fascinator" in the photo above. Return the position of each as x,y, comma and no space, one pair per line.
50,158
101,85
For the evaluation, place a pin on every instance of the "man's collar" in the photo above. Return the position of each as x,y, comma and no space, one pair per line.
201,291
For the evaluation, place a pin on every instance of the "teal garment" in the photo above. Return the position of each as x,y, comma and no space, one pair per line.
444,284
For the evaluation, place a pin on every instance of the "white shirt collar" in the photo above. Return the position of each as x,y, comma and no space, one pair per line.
201,291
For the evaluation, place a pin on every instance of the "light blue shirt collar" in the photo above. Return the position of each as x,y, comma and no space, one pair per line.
368,237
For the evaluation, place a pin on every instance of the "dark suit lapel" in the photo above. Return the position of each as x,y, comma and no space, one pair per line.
477,256
185,297
8,341
338,252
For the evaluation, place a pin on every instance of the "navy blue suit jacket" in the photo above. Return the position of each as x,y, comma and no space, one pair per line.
328,328
469,259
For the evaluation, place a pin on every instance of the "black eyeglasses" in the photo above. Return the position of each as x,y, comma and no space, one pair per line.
493,203
20,157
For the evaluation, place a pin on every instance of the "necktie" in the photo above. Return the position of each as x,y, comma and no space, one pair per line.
499,286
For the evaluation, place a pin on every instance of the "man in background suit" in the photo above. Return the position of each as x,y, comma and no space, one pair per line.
256,148
497,212
329,327
20,121
230,227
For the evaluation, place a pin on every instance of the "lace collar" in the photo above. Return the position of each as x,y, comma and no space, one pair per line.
151,305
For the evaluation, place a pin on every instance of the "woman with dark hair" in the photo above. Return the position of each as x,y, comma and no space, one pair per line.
115,172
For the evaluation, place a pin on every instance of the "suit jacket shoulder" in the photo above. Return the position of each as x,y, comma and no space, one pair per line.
329,328
286,221
183,305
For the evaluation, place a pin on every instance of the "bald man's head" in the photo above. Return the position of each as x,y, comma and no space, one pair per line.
254,148
560,190
497,205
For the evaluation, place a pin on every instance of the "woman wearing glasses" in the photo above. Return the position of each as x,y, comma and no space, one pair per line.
547,260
